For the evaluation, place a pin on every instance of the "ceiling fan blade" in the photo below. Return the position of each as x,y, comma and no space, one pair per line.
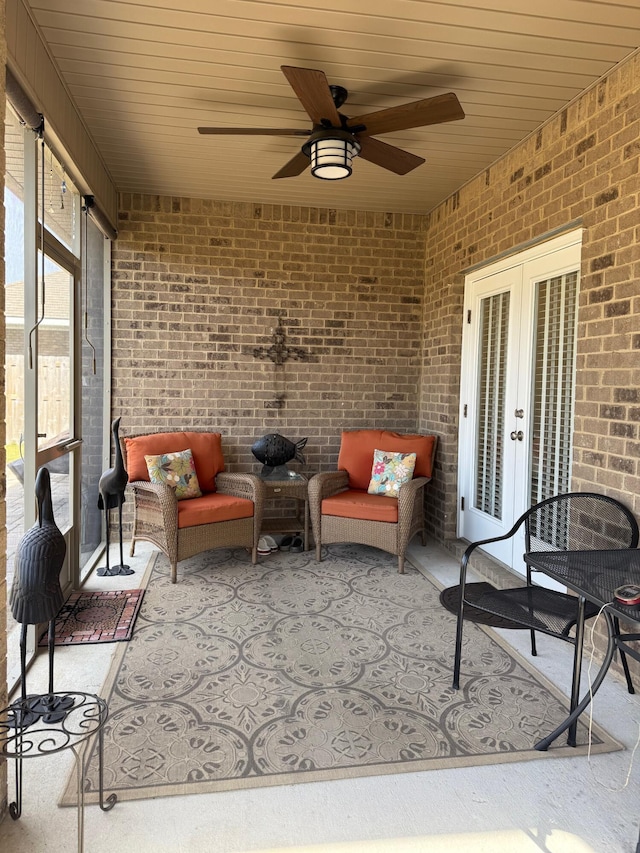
295,166
254,131
435,110
314,94
388,156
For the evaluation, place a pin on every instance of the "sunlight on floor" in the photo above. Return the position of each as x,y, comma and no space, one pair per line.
507,841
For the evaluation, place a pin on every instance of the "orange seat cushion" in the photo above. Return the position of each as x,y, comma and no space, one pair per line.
356,452
356,504
212,508
206,448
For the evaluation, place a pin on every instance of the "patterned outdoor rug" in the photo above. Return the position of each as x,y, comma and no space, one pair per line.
240,676
96,617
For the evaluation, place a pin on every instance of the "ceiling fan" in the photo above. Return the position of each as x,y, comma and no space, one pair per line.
335,139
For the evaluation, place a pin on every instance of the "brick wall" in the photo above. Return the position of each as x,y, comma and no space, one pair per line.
199,285
206,281
582,165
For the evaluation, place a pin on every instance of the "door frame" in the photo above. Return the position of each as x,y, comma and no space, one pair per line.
67,259
570,239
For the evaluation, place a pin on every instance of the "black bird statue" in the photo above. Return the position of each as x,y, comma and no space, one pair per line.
36,597
111,487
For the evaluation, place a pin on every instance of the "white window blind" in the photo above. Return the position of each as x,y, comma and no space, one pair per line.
494,330
553,389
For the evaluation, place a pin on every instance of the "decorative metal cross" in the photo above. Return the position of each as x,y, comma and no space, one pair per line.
278,352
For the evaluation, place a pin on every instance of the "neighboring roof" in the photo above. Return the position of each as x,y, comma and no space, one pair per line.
57,297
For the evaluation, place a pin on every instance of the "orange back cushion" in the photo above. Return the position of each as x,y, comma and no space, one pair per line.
356,452
206,448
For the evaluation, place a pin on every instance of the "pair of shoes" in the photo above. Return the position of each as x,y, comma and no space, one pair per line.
297,544
271,542
267,545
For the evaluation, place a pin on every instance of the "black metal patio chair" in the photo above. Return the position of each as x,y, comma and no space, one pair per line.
578,521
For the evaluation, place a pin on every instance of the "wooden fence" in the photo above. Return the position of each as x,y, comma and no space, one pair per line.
54,378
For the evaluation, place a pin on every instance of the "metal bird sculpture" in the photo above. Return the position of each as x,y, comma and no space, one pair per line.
111,487
36,597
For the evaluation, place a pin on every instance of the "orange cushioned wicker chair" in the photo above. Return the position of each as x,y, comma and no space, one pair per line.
227,514
341,508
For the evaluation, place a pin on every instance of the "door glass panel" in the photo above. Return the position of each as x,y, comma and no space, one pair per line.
14,363
494,329
93,355
553,386
54,357
61,494
553,398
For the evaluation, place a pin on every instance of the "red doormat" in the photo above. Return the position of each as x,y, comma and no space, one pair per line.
96,617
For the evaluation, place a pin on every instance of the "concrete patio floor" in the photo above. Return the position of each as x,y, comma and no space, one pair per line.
563,805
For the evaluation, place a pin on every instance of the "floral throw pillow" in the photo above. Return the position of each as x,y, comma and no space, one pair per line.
176,470
390,471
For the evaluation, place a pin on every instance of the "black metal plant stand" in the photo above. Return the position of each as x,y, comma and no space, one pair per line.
83,719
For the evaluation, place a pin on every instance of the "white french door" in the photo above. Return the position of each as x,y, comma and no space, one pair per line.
517,390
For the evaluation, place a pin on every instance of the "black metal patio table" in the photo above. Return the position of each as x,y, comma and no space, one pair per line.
593,576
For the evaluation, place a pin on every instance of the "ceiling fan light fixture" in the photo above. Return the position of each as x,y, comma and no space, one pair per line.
331,152
334,138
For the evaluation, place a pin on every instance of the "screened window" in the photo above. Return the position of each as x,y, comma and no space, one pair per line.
54,360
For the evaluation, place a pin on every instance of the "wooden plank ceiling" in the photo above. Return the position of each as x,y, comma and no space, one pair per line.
146,74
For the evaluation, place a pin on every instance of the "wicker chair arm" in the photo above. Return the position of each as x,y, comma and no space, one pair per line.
160,490
165,497
322,486
327,483
407,497
248,486
156,488
407,494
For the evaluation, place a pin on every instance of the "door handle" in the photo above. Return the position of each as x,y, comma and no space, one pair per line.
517,436
72,443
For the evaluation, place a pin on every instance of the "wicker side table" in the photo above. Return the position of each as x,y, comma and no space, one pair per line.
296,487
